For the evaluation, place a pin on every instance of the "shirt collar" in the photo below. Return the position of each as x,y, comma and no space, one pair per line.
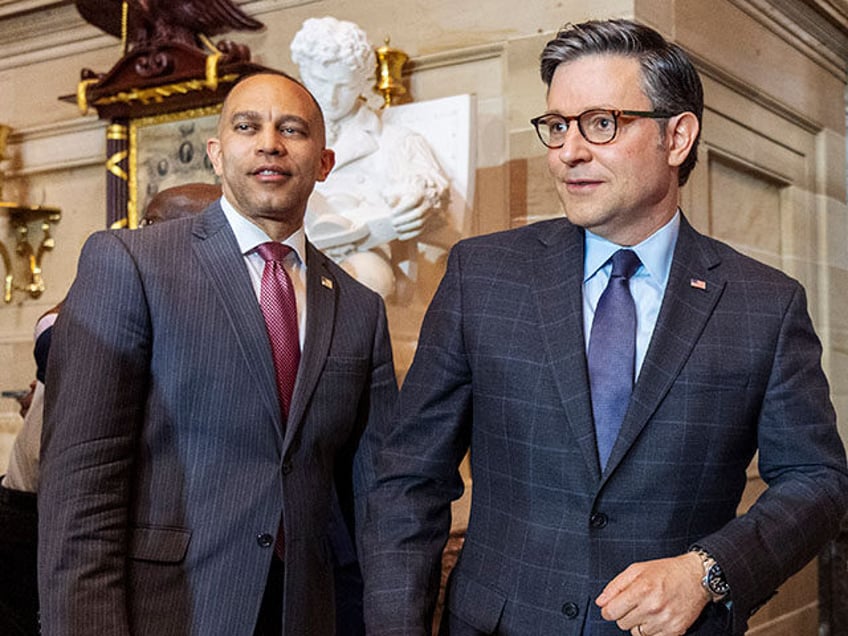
655,252
249,235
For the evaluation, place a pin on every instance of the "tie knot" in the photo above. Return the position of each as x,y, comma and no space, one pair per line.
273,251
624,263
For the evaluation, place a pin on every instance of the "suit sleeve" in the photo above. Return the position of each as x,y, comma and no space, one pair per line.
802,460
375,412
408,513
373,420
96,386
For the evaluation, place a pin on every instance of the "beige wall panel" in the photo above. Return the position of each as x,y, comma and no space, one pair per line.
800,593
526,88
836,238
745,208
695,206
830,168
542,199
30,95
725,35
658,13
491,200
422,27
776,130
783,159
838,332
801,231
838,367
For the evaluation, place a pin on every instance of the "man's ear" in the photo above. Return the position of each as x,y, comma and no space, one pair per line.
681,134
328,160
213,151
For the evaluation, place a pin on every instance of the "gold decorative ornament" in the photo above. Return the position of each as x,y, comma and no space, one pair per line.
390,63
20,217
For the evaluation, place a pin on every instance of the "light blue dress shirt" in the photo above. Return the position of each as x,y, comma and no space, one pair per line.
647,285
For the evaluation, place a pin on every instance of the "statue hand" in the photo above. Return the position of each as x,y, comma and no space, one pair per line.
413,204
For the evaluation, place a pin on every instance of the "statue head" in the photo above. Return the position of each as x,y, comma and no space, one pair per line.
336,63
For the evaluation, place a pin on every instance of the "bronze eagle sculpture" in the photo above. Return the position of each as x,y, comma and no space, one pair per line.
151,23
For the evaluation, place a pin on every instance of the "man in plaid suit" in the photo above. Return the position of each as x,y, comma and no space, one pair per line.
642,537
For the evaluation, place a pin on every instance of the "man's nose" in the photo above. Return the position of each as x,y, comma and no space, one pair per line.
575,149
270,141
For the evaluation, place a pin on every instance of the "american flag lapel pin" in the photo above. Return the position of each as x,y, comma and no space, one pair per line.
697,283
327,282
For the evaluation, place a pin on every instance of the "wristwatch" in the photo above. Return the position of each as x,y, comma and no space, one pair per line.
713,582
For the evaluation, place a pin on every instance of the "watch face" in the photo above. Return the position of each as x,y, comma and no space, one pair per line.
716,581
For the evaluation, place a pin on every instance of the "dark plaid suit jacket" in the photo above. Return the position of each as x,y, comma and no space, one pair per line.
733,367
164,463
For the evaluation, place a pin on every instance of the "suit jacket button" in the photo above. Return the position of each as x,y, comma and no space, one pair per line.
265,540
598,520
571,611
287,467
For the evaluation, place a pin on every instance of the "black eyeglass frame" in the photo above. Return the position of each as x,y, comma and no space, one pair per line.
616,114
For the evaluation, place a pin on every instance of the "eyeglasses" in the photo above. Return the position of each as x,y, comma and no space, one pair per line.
598,126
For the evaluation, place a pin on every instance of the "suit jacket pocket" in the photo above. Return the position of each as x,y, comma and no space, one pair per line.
476,604
164,544
346,365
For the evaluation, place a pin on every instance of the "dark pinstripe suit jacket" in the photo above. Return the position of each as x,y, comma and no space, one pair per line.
164,464
501,366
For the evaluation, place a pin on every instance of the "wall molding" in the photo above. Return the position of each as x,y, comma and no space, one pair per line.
817,28
74,143
758,97
36,31
40,30
455,57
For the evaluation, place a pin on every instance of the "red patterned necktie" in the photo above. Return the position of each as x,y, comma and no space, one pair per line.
279,307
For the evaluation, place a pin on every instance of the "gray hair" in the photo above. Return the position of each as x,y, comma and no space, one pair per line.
669,78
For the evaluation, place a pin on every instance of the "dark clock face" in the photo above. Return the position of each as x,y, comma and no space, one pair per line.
716,581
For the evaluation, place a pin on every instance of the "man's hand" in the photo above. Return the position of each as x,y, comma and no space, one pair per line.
25,401
656,598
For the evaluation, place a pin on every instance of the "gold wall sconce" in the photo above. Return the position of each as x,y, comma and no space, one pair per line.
21,217
390,63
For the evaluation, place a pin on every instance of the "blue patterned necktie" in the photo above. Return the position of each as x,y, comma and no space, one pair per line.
612,353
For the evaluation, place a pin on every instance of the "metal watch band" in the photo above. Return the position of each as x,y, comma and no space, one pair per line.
713,581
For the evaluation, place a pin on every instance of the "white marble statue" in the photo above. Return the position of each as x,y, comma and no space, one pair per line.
387,184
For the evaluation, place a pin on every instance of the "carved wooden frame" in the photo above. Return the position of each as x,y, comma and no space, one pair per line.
167,149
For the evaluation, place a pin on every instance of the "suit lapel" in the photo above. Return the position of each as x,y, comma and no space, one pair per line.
216,248
691,295
321,291
559,297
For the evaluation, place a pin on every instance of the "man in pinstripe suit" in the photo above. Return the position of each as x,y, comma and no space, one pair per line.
167,464
563,539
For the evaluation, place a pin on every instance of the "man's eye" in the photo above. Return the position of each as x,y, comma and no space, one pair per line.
558,127
243,127
292,131
601,122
